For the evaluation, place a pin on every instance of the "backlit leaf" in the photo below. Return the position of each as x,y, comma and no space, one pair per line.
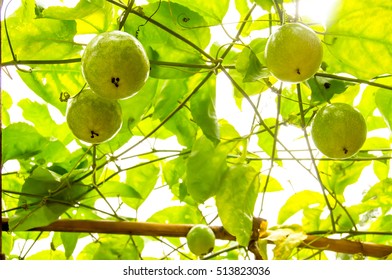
21,141
236,200
204,111
364,29
142,180
299,201
205,168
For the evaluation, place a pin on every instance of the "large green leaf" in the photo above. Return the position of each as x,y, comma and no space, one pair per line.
160,45
82,9
49,81
90,15
6,103
38,38
358,38
384,104
212,11
43,122
182,127
204,111
38,207
251,60
336,176
236,200
300,201
167,98
323,89
142,180
113,247
380,195
205,168
21,141
178,215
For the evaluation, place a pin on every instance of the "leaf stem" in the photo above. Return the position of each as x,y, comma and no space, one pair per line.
355,80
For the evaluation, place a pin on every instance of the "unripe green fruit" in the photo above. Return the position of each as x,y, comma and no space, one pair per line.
92,118
115,65
338,130
200,240
293,53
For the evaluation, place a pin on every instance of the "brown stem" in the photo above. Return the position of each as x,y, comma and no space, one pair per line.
180,230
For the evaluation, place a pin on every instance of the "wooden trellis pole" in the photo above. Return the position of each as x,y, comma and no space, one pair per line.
180,230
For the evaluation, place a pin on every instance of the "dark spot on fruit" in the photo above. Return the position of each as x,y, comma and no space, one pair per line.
327,85
93,134
298,71
345,150
115,81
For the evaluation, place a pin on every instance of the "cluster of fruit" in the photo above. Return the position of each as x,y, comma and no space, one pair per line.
115,66
294,54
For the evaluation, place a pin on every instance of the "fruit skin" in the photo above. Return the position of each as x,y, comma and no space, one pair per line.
92,118
115,65
200,240
293,53
339,130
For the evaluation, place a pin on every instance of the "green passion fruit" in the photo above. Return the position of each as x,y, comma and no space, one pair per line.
338,130
93,119
115,65
200,240
293,53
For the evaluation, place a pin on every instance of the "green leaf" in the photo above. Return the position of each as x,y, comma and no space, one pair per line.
212,11
182,127
113,247
70,240
47,255
141,179
82,9
205,168
178,215
169,94
336,176
300,201
49,81
364,30
39,115
266,5
38,38
265,140
384,103
6,103
164,47
323,89
273,185
21,141
39,207
250,61
380,195
236,199
135,107
115,189
204,111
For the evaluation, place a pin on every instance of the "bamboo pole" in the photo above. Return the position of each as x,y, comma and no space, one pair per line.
181,230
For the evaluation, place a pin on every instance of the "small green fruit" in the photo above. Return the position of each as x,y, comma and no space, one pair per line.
293,53
338,130
200,240
115,65
92,118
